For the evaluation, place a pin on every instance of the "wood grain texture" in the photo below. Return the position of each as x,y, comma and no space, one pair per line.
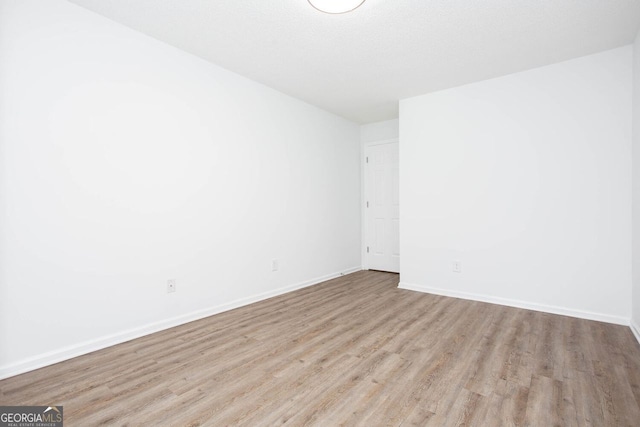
353,351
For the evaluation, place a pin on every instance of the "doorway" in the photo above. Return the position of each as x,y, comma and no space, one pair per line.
382,206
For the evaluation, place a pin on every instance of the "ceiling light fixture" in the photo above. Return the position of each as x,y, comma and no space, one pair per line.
336,6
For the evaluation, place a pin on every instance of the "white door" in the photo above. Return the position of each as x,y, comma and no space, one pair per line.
382,207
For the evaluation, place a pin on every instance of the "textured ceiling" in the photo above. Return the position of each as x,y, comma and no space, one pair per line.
358,65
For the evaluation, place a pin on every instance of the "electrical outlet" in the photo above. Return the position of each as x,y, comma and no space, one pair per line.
171,285
274,265
456,267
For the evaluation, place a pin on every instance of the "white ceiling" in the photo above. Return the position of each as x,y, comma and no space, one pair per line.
358,65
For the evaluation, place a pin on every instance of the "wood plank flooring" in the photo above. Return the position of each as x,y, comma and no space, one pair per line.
353,351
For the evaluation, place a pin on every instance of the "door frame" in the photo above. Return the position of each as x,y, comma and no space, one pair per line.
365,192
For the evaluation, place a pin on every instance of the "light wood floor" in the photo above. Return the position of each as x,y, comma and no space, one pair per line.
353,351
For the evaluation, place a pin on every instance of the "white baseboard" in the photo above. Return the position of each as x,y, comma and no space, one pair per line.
618,320
635,329
79,349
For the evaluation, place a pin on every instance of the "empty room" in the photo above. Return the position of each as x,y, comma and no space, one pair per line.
319,213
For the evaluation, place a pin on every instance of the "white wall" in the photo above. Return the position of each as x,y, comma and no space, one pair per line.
525,179
635,320
126,162
378,131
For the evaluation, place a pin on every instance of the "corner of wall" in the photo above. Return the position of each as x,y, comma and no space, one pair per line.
635,328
